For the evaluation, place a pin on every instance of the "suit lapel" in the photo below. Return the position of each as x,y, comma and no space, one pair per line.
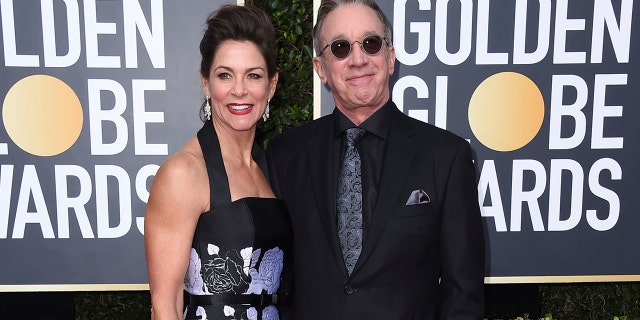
398,155
320,151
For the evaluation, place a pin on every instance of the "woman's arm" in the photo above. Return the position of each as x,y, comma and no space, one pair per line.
179,194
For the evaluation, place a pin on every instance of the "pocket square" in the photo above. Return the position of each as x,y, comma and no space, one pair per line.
418,197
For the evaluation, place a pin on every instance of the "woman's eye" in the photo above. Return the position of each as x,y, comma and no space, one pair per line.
224,75
254,76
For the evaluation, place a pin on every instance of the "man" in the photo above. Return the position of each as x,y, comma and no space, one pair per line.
405,241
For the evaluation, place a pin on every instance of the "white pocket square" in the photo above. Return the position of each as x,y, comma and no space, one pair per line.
418,197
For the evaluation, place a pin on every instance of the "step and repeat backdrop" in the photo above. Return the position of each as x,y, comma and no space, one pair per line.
547,93
95,94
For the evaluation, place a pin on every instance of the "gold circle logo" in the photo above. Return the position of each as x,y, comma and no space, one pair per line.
506,111
42,115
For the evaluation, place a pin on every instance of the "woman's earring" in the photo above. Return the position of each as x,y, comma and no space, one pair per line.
265,115
207,110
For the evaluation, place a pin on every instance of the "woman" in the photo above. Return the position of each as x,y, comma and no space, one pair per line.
211,214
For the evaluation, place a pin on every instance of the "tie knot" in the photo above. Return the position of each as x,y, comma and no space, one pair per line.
353,134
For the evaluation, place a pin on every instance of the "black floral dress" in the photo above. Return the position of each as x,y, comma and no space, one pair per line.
239,265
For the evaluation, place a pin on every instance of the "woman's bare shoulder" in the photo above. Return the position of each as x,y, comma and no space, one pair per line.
187,163
182,179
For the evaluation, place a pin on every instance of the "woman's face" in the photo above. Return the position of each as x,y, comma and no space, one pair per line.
238,85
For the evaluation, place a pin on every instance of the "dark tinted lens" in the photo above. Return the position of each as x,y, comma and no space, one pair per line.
372,44
340,48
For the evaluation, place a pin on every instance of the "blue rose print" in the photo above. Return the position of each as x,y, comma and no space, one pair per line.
201,313
268,313
226,271
193,279
252,314
267,275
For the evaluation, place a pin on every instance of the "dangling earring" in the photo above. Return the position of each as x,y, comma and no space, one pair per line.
265,115
207,110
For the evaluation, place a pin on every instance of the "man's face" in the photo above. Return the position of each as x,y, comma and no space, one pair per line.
360,82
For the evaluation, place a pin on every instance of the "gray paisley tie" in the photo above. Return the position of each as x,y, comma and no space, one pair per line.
349,200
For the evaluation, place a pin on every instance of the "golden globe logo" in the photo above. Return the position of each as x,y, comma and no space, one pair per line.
578,53
42,115
506,111
101,185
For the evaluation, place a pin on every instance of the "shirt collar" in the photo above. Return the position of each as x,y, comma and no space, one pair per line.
377,123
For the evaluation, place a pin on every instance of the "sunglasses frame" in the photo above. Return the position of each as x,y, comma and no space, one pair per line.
383,41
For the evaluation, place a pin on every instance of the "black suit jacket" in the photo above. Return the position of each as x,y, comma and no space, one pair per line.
422,261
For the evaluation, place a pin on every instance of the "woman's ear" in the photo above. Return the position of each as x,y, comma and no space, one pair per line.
205,86
273,83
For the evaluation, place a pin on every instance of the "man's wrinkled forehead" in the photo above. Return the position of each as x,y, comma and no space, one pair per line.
352,22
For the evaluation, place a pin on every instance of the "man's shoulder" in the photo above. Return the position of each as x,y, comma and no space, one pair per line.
428,131
302,132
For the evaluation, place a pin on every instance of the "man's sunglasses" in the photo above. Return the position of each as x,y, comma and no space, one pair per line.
341,48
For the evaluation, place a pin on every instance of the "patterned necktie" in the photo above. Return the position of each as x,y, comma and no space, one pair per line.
349,200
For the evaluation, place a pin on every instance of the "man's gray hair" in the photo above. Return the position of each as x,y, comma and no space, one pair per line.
326,6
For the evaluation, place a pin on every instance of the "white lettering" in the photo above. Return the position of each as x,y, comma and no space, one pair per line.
442,85
520,56
29,188
404,83
154,41
519,196
597,189
422,92
11,56
422,29
98,115
92,29
142,191
135,23
6,182
488,183
563,25
103,172
601,111
483,56
64,202
466,27
141,117
574,110
51,58
620,34
555,194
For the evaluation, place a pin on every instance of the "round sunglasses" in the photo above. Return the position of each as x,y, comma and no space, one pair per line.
341,48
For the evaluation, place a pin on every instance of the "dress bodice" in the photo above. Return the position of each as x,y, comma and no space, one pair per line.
240,250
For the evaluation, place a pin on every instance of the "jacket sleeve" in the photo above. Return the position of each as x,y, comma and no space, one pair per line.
272,174
461,242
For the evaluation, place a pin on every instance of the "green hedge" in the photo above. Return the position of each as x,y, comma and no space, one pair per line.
121,305
590,301
293,105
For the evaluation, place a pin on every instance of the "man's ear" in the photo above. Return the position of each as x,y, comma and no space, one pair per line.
318,65
392,59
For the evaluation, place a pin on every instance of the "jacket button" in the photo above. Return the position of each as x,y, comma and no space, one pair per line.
348,289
